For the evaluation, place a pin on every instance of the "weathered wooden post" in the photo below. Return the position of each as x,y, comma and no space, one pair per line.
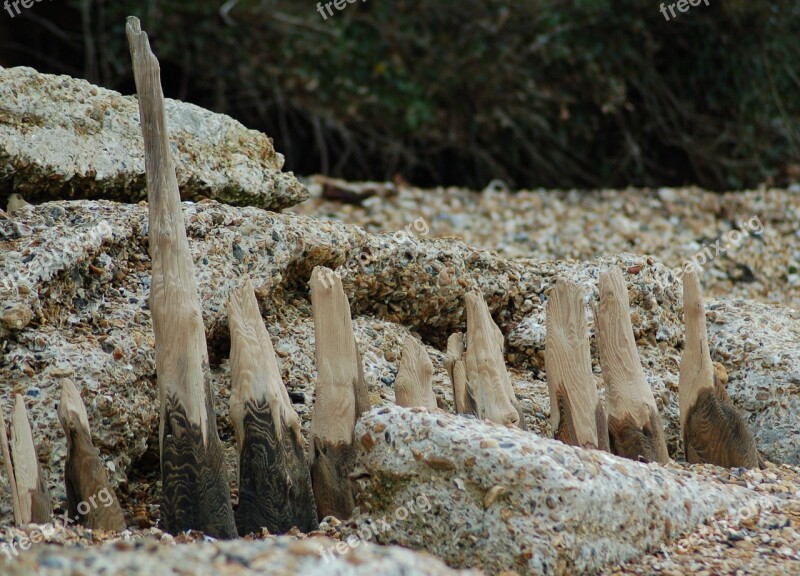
577,416
454,363
30,497
341,397
488,383
713,429
274,479
634,424
84,474
196,495
413,386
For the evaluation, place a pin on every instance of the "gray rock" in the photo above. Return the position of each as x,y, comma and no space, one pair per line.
65,138
479,494
284,556
74,284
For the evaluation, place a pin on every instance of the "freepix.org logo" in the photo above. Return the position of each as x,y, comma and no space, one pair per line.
13,6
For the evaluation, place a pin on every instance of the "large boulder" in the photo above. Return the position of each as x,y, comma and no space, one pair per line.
502,499
63,138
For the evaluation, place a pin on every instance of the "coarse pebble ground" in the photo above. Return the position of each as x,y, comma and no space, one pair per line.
672,225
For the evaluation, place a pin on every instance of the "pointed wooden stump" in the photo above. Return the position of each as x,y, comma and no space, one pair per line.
488,384
576,413
30,495
12,482
634,424
713,429
413,386
341,397
196,495
90,499
457,370
274,479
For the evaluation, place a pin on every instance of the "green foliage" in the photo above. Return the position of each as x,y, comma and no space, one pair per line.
567,93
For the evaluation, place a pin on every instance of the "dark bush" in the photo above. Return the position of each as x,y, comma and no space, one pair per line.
556,93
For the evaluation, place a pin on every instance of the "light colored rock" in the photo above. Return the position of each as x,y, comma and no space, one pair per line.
504,499
65,138
284,556
81,272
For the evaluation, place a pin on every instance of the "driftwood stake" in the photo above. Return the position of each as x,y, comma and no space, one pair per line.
634,424
15,505
488,382
713,429
274,479
90,497
413,386
196,495
577,416
33,495
457,370
341,397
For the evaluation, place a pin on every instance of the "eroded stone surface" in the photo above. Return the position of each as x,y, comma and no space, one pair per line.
503,499
62,138
80,273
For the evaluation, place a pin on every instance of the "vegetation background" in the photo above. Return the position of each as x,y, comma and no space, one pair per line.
550,93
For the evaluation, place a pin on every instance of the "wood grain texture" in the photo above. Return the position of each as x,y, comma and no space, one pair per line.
341,396
576,412
90,498
413,386
488,382
634,424
457,370
712,428
274,479
33,493
9,466
195,488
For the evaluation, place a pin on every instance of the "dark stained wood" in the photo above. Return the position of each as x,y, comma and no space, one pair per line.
341,397
274,479
195,494
90,498
713,430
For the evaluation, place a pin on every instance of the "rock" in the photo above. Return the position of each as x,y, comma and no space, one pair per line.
529,504
276,556
82,271
65,138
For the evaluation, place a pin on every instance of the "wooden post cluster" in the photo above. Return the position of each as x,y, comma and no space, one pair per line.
481,384
713,430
